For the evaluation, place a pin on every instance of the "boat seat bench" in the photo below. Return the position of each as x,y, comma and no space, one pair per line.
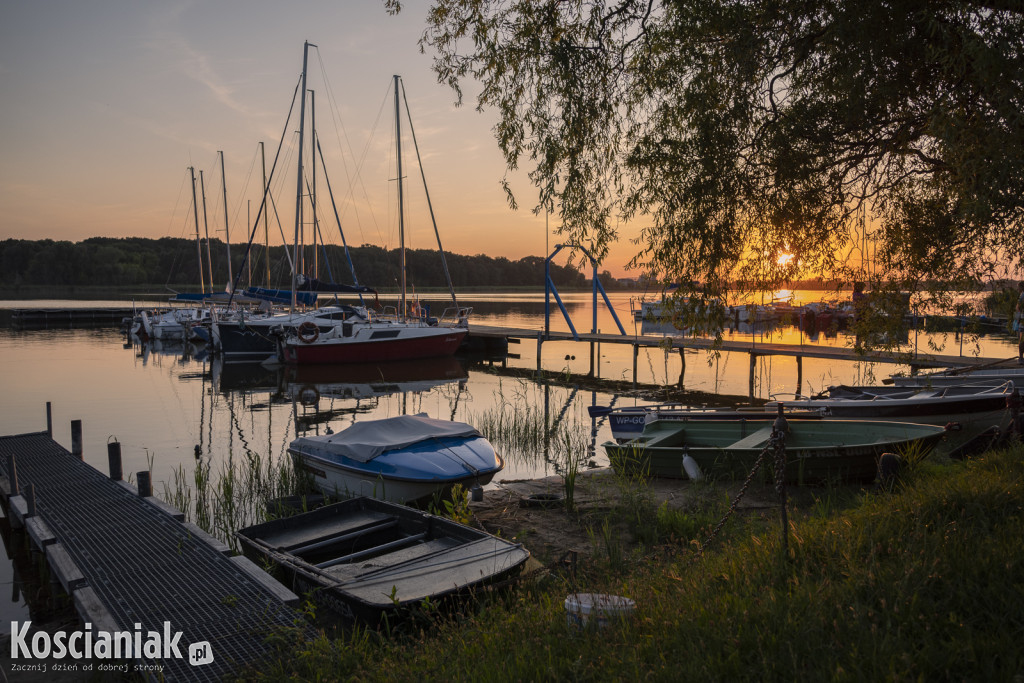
754,440
351,570
319,530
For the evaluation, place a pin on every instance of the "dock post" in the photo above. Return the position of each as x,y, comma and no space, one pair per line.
49,419
636,353
30,500
540,340
76,438
144,483
799,373
114,460
12,475
753,371
682,366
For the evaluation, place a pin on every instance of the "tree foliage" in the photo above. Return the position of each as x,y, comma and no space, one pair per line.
172,262
733,131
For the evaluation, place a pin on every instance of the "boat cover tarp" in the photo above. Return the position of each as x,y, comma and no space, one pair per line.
364,441
281,296
311,284
217,297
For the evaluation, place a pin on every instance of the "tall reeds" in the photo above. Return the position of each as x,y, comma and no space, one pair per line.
234,496
525,429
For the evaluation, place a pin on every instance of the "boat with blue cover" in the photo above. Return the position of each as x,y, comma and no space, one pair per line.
402,459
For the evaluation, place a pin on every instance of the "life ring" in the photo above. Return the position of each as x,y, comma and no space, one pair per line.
308,332
309,395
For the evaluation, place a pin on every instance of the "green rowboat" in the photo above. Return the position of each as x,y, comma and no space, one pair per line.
817,451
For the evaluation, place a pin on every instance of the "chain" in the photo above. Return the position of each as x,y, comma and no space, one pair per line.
777,446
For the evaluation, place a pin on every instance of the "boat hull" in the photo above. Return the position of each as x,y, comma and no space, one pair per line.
414,474
365,559
817,451
628,423
987,377
440,342
973,409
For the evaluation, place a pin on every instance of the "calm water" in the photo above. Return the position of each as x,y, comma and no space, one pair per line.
161,403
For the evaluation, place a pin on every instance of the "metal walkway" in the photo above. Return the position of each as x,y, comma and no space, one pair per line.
133,558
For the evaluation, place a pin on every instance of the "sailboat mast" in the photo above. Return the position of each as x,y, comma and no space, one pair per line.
266,226
401,206
199,248
206,228
312,193
298,183
227,238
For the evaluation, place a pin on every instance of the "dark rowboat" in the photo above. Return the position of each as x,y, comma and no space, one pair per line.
364,558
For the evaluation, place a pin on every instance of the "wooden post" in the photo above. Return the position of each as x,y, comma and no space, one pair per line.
76,438
114,460
540,340
591,360
682,367
636,352
753,369
145,485
12,475
30,500
799,373
49,419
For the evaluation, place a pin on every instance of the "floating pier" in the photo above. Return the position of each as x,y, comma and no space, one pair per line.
752,347
68,317
131,563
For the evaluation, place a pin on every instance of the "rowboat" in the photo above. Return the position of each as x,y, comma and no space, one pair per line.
979,377
400,459
872,403
969,410
817,451
365,558
628,422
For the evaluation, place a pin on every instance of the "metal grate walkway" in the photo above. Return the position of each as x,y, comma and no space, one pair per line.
145,566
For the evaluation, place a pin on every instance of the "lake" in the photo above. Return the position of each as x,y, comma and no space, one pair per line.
165,404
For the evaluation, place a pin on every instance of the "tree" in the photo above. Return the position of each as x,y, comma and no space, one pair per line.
735,131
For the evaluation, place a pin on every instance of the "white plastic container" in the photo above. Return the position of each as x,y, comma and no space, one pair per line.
597,609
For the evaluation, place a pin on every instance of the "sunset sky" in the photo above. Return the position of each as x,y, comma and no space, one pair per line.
105,104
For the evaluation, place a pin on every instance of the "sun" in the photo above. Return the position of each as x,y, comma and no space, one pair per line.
785,259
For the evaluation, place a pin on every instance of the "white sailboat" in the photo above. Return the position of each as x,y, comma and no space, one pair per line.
368,337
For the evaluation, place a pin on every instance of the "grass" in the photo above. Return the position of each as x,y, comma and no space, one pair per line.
223,501
923,582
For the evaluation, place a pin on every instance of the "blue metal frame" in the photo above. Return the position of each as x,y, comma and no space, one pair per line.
549,289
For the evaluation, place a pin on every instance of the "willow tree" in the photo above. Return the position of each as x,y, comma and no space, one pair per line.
735,131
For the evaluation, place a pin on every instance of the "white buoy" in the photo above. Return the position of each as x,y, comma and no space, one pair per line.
692,468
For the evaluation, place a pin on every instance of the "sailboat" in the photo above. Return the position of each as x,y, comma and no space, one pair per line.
255,336
368,337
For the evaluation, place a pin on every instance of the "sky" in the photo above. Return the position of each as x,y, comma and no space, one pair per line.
105,104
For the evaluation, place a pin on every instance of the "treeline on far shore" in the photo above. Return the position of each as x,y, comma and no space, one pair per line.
175,263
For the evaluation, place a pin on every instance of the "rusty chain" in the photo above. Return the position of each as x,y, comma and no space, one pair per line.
776,446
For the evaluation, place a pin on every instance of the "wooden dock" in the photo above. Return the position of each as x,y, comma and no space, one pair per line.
35,318
131,563
754,348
